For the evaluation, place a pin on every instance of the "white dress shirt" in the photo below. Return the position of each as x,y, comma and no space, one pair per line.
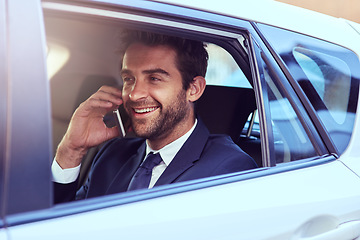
167,154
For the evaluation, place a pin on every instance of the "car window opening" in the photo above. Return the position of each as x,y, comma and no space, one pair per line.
78,75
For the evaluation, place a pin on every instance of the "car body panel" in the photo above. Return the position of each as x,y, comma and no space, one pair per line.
3,102
351,156
28,135
3,234
355,25
245,210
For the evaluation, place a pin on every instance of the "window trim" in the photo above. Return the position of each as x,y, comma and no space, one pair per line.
266,136
332,49
324,143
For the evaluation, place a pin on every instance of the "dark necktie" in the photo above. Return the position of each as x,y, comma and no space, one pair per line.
142,176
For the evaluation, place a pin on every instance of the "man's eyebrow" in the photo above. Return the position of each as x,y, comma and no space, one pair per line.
125,71
149,71
156,70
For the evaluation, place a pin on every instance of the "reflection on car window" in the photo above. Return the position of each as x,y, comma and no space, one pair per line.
290,139
331,78
327,73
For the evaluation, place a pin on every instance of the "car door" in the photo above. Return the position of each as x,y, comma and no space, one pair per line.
293,195
316,226
25,130
3,101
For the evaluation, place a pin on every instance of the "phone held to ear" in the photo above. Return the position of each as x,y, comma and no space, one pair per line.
119,118
119,122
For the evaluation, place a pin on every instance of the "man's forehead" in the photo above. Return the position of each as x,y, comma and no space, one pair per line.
142,48
150,56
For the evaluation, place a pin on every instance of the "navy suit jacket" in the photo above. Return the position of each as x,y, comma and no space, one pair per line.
202,155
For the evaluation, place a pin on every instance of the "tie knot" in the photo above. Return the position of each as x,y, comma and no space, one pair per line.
151,161
142,176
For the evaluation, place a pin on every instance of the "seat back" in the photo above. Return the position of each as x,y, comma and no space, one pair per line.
225,110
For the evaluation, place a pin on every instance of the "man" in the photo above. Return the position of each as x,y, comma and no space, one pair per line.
162,77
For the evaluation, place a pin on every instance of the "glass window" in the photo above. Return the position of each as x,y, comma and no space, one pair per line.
290,141
330,77
327,73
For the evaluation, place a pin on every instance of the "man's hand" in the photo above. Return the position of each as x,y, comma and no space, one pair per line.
86,128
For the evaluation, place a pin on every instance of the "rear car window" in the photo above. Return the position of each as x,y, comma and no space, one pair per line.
327,73
290,139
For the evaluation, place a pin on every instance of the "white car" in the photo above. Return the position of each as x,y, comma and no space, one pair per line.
283,82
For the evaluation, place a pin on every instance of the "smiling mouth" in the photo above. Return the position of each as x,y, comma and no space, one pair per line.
145,110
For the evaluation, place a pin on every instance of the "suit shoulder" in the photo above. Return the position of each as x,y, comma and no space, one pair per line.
121,146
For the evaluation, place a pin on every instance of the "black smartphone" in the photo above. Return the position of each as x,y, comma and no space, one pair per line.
119,118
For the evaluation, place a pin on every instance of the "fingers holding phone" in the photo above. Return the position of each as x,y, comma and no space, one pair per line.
87,128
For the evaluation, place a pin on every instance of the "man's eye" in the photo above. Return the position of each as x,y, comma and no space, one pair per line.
127,79
154,79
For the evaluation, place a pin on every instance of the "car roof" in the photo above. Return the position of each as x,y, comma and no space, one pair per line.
336,30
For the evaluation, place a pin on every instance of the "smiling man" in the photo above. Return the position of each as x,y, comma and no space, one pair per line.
163,76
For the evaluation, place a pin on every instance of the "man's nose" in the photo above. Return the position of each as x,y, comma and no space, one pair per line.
138,91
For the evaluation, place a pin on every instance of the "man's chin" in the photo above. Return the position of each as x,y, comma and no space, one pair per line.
141,131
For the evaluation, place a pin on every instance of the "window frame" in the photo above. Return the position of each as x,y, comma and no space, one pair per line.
269,57
26,160
314,42
3,108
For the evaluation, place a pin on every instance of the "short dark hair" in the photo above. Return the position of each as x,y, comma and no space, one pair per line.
192,57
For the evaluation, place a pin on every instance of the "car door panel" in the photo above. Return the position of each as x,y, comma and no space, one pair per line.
278,206
3,234
351,155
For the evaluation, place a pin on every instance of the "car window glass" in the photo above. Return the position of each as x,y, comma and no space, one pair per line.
327,73
290,141
331,78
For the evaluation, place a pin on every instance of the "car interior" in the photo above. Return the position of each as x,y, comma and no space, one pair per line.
82,57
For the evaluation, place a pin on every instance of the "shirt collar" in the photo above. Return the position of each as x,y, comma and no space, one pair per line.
169,151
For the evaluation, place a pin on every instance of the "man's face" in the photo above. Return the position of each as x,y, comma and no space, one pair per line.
153,93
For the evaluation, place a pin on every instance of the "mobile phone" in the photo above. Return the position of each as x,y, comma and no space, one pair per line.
119,122
119,118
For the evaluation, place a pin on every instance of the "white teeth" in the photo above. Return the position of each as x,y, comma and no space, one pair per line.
145,110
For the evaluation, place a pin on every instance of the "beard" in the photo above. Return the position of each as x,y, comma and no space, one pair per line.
165,122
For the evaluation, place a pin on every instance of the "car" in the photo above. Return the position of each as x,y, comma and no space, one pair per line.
282,82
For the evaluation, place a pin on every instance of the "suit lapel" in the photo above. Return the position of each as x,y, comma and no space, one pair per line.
123,177
189,153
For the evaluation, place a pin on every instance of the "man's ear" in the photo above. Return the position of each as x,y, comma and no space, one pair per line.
196,89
